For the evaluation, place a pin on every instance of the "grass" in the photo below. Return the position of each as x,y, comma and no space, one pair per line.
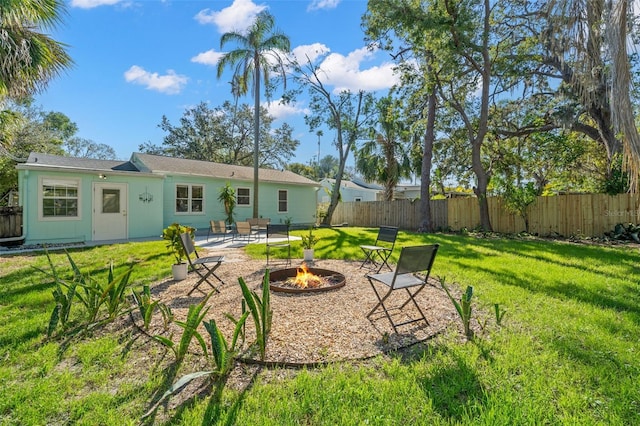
567,352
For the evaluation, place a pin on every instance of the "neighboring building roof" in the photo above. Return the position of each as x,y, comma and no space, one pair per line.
368,185
354,185
57,161
168,165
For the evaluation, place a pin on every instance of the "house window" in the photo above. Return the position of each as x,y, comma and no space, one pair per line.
60,198
243,197
358,199
189,198
283,206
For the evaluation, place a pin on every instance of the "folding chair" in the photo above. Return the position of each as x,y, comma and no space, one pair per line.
204,266
381,249
412,270
278,238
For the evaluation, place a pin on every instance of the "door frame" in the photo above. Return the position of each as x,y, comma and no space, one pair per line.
121,232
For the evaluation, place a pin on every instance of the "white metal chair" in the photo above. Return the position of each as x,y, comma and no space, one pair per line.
412,270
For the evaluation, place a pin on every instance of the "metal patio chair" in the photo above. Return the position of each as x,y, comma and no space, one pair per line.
377,255
204,266
217,228
412,271
243,231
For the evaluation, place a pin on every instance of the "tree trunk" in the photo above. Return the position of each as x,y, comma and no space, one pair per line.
335,194
480,189
256,141
426,224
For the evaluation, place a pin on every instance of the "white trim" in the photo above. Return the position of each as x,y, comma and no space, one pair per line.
249,196
189,199
286,191
60,181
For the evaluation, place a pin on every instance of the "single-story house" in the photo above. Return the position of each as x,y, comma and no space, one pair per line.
350,190
68,199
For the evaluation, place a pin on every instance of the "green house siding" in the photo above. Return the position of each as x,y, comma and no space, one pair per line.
212,208
301,202
100,200
144,218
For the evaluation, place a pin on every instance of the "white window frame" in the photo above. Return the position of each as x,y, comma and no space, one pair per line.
286,192
51,181
189,199
248,203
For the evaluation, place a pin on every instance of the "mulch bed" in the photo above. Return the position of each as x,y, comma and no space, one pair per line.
312,328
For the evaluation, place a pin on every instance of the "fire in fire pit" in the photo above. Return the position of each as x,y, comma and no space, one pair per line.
304,279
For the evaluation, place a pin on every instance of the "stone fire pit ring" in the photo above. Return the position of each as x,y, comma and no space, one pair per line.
336,280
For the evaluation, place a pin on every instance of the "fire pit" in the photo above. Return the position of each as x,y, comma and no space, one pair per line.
305,280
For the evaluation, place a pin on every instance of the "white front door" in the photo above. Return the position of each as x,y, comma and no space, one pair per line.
109,211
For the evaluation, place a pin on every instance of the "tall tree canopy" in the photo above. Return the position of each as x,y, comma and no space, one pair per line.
224,135
257,54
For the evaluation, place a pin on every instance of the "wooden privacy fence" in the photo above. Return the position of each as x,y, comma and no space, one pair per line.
10,222
566,215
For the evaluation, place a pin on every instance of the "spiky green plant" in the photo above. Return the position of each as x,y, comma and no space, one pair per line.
146,306
260,310
463,307
189,331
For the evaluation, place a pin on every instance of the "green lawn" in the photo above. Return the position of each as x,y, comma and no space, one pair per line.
566,353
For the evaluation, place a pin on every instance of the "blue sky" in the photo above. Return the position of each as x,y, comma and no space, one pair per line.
136,61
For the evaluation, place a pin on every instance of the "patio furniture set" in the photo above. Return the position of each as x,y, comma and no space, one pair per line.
410,274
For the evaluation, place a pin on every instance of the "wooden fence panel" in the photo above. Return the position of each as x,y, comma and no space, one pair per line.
566,215
10,222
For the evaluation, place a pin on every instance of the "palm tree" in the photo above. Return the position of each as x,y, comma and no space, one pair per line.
256,56
384,158
29,59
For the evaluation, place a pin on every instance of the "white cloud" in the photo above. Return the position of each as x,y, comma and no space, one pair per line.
323,4
309,52
236,17
170,83
279,111
210,57
345,73
90,4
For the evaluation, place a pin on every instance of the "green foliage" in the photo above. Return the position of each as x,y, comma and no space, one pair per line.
94,295
63,301
517,199
172,234
146,306
227,196
463,308
499,313
617,180
189,331
309,240
223,353
260,310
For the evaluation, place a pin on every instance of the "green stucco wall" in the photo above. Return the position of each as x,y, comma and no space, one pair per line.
144,219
